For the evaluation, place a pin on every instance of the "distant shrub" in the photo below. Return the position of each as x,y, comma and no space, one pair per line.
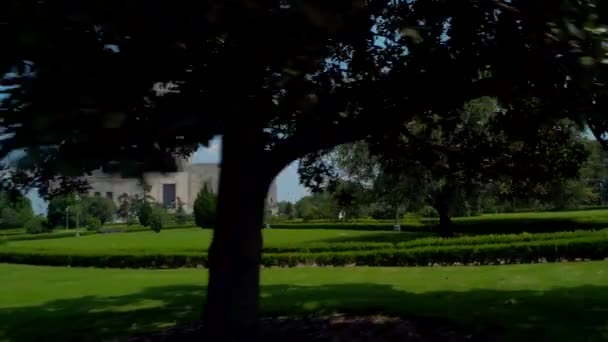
98,207
428,211
157,218
145,214
36,225
205,208
131,221
92,223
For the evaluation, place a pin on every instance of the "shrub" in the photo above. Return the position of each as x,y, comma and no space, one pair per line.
157,218
145,214
98,207
428,211
92,223
131,221
205,208
526,252
9,218
36,225
56,211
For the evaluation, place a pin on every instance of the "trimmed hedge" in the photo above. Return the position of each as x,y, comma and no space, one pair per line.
348,226
84,232
339,246
523,252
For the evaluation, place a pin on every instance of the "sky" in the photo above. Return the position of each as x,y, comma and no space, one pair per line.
288,181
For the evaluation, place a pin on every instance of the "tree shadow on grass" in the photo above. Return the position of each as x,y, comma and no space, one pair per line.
560,314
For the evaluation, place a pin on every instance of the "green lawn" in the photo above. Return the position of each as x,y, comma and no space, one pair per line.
539,302
191,240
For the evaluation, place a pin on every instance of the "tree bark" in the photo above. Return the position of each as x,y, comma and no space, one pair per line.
443,209
445,224
232,307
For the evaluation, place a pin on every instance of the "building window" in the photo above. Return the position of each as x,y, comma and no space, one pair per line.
110,195
97,193
169,195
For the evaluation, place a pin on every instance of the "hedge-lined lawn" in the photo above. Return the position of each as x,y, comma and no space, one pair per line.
187,248
192,240
542,302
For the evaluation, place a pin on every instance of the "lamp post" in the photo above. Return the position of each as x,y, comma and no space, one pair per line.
67,217
77,224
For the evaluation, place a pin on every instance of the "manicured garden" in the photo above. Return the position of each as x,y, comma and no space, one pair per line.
323,247
543,298
549,302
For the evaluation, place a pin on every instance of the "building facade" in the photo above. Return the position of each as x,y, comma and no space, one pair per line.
166,188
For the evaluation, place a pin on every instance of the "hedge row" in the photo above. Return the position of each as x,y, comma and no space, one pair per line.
338,246
84,232
525,252
348,226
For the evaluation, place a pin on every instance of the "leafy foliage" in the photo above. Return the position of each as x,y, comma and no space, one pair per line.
15,210
56,212
36,225
103,209
157,218
205,208
124,210
595,248
145,213
92,223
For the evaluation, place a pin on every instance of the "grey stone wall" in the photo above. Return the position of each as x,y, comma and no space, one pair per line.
188,183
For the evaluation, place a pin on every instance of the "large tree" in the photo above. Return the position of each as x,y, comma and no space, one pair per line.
278,80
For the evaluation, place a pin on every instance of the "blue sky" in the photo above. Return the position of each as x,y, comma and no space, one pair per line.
288,181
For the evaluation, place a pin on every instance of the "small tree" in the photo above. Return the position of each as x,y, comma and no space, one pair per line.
92,223
205,208
56,212
124,207
157,218
145,214
100,208
36,225
181,217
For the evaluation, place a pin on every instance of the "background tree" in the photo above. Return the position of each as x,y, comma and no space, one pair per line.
98,207
315,76
56,211
124,208
158,216
15,211
144,213
205,208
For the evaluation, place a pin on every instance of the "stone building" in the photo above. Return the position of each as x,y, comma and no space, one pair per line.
165,188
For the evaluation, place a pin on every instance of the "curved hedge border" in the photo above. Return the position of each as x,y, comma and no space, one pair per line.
84,232
524,252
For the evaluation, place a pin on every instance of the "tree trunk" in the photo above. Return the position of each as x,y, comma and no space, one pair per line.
445,221
445,224
232,307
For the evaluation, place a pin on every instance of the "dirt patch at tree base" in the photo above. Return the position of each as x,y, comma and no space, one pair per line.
335,328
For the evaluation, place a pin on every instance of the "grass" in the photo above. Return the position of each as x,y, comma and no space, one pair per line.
275,241
188,240
549,302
